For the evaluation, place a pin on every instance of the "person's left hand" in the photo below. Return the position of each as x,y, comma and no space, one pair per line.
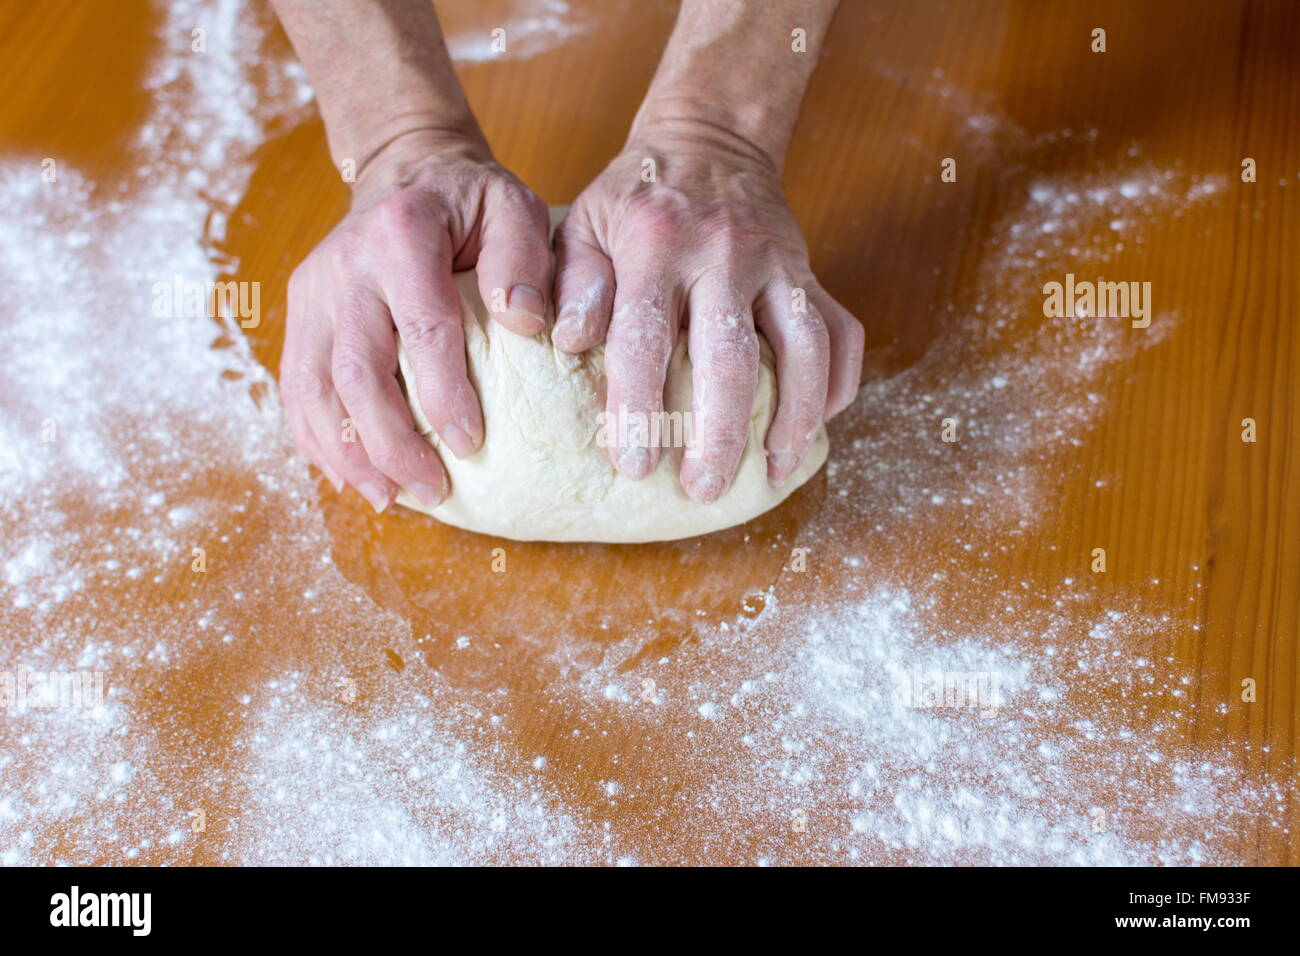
711,245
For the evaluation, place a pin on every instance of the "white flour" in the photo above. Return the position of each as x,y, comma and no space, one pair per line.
791,739
790,723
532,28
790,715
141,413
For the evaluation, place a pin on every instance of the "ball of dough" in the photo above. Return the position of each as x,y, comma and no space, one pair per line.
542,475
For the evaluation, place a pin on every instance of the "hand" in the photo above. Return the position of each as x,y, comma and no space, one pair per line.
710,244
423,207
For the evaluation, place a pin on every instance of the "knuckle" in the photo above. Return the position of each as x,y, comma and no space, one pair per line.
735,236
304,384
729,249
656,220
645,343
343,257
512,192
396,459
808,337
422,332
535,205
399,212
733,356
351,372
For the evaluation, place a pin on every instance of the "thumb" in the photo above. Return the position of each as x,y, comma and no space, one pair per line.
584,287
514,261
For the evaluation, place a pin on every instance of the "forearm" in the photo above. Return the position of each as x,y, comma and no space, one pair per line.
731,71
381,73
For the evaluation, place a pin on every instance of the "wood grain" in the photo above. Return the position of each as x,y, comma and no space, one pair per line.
1196,524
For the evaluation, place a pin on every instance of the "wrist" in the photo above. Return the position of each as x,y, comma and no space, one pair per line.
666,122
397,160
359,145
736,72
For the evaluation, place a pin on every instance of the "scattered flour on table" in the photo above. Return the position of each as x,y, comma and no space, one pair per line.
814,730
790,720
806,740
532,27
139,412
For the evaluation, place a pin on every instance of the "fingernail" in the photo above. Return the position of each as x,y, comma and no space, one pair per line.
707,488
375,494
457,440
780,464
524,298
566,327
333,478
634,463
427,494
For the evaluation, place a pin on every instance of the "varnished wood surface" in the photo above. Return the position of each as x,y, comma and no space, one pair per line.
1192,519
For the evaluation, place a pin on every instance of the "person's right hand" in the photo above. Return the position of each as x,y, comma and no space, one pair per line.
422,208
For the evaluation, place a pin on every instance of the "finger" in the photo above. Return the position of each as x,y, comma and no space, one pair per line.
514,260
295,395
314,408
801,345
339,440
301,380
307,442
584,288
724,360
426,307
364,364
640,343
846,343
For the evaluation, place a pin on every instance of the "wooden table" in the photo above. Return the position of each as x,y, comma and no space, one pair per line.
1201,530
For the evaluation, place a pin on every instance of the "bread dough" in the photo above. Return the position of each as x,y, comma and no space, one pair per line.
541,475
